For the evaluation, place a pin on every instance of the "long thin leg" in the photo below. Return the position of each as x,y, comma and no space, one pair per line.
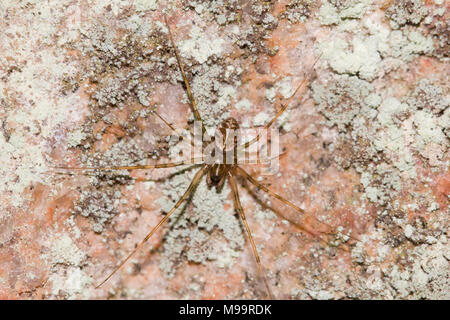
264,188
147,166
281,111
191,187
188,88
167,123
161,165
161,179
135,179
237,203
243,173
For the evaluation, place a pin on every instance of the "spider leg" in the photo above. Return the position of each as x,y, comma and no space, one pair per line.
147,166
167,123
186,83
191,187
193,160
238,206
301,226
161,179
282,109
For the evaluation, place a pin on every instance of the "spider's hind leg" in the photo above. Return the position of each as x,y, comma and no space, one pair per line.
238,207
330,237
188,192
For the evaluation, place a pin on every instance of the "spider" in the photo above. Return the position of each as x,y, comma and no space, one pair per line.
217,171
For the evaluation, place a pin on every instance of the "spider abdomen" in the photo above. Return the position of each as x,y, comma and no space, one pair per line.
216,174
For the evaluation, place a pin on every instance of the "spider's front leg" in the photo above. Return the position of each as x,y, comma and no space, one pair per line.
147,166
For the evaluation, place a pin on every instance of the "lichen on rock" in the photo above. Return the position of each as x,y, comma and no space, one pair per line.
406,12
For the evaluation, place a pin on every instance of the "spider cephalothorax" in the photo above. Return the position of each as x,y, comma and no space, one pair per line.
223,155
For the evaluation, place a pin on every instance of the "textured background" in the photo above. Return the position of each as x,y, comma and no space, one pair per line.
366,147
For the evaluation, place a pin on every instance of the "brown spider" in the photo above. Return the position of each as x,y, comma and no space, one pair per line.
216,172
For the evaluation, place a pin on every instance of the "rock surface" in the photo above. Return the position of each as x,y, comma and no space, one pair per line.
365,142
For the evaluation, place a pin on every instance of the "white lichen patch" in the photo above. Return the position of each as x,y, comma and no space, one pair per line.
30,99
270,94
388,127
406,12
431,141
261,119
341,99
426,95
334,11
407,45
284,87
213,97
73,284
223,11
76,137
18,175
200,47
390,108
427,278
298,10
144,5
64,251
244,105
363,54
364,58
